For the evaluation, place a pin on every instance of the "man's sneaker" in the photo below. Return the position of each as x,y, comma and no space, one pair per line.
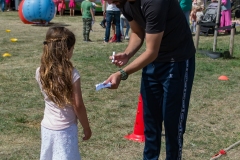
127,38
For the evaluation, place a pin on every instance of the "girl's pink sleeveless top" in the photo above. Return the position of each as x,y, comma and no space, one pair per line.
72,4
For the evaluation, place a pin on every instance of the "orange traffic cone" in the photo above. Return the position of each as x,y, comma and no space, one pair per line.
138,132
223,78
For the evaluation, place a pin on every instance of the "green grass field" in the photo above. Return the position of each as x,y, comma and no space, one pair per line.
214,113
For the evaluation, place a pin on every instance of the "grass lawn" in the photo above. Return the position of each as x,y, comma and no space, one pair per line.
214,113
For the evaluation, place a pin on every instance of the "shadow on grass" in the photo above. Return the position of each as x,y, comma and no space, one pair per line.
215,55
50,24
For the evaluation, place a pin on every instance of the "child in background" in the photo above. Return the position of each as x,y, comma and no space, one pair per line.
56,2
198,3
60,85
225,15
72,5
61,7
94,5
87,17
122,21
8,4
193,19
195,16
199,13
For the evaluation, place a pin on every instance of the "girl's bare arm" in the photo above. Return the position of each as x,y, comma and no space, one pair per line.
80,109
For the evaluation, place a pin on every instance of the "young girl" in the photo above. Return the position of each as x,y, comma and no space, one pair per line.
225,15
56,2
193,19
60,85
8,3
195,16
61,7
72,5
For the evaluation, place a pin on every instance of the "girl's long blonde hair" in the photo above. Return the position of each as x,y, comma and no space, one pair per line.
56,68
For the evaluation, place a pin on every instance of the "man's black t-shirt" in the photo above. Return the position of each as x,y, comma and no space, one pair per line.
155,16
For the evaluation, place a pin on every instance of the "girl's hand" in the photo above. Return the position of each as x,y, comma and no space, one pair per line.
120,59
87,133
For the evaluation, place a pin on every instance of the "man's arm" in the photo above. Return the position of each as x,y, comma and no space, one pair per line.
153,42
136,39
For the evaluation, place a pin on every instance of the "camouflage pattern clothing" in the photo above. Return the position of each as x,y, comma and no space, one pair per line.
87,25
86,7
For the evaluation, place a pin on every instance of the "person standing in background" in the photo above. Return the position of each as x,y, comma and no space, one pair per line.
112,15
61,7
2,5
193,18
102,23
199,14
87,17
122,21
56,2
72,5
94,5
16,4
186,6
8,3
225,15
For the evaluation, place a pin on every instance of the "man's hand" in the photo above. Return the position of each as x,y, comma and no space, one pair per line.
120,59
114,79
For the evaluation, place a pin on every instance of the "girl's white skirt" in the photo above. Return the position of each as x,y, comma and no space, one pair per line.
60,144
